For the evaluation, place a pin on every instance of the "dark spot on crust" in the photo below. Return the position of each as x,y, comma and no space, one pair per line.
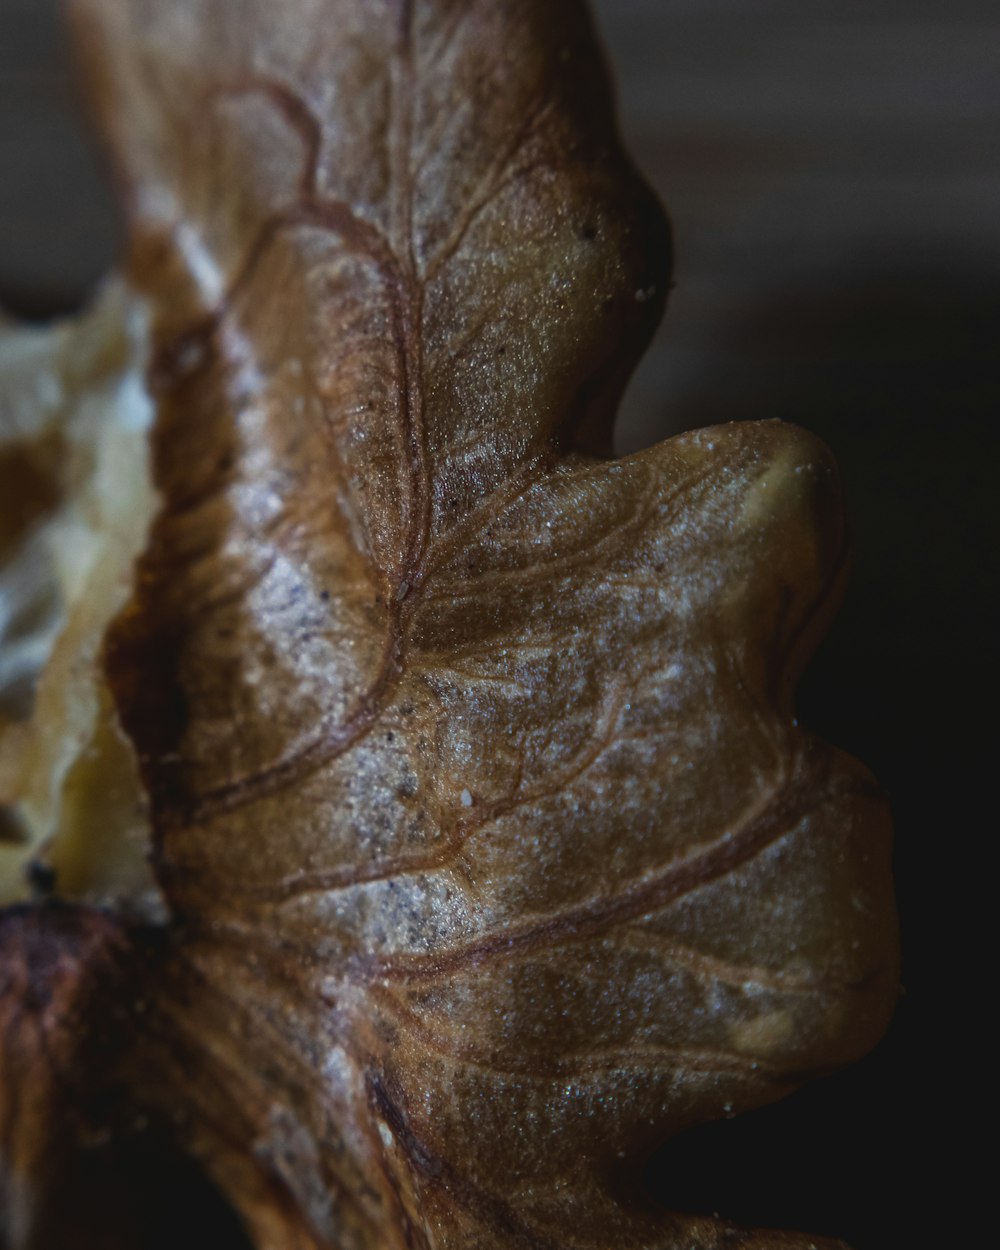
41,877
179,358
391,1112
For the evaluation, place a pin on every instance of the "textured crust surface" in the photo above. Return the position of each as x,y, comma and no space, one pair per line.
493,850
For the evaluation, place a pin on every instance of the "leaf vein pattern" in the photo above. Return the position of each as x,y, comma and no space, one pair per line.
456,838
781,814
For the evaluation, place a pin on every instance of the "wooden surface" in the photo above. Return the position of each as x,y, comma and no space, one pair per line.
832,171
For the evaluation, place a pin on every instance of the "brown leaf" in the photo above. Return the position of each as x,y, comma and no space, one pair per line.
492,850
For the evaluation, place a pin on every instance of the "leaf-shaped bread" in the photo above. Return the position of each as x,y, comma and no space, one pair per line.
492,851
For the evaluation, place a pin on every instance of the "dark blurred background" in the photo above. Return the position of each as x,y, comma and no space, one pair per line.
832,171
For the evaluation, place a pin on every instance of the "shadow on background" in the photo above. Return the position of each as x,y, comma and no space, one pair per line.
60,224
140,1193
899,375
